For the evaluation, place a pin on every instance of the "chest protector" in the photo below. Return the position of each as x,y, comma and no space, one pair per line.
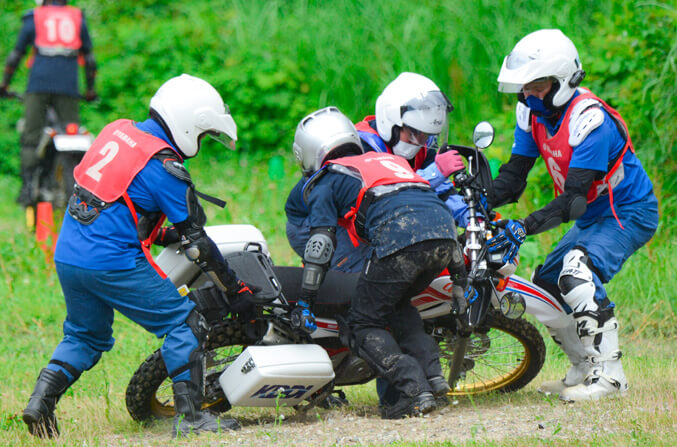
381,175
117,155
57,30
557,152
371,136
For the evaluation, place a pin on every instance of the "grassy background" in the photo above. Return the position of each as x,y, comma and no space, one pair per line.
275,61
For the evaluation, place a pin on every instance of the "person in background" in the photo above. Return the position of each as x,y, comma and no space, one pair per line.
127,183
599,183
60,39
380,200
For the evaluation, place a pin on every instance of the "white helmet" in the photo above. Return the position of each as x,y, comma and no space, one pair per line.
546,53
190,108
414,101
323,135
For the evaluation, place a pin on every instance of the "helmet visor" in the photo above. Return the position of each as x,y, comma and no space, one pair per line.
221,128
414,136
518,69
426,113
222,138
516,60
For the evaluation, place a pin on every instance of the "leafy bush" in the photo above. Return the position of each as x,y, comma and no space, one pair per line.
274,61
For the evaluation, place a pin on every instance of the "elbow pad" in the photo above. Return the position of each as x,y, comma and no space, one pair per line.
577,207
317,257
10,66
568,206
13,60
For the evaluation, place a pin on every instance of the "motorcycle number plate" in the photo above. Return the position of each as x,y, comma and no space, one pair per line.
72,143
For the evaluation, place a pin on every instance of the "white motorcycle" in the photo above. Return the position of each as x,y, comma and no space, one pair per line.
263,360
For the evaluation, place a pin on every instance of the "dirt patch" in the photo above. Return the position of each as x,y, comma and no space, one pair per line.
361,425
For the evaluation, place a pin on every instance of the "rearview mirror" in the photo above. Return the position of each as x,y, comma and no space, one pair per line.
483,135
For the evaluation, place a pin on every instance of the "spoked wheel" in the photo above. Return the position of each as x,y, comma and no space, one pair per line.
149,393
505,356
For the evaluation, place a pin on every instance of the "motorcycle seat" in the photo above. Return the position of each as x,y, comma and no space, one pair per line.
333,298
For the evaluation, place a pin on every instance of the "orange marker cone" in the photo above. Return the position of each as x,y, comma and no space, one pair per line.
44,228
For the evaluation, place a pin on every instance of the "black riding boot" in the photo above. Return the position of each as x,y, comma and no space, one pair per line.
39,413
190,418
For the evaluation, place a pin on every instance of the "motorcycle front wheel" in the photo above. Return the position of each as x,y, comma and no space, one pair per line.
149,393
503,356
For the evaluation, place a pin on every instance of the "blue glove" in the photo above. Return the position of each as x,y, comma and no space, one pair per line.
470,294
512,237
302,318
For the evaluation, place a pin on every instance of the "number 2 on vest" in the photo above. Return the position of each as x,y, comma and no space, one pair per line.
109,151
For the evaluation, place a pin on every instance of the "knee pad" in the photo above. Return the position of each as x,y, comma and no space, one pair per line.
198,325
376,347
576,282
196,359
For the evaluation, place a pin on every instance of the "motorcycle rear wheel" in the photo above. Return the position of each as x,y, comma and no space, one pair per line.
149,393
63,181
505,358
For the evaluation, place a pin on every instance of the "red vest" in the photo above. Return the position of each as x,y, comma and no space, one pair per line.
557,152
374,169
363,126
57,30
117,155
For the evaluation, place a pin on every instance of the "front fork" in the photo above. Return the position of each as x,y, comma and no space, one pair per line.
474,316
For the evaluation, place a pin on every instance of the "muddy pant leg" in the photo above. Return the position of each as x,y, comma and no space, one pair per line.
414,343
379,349
407,327
382,287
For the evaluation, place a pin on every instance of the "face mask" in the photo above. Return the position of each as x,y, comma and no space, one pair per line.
406,150
538,107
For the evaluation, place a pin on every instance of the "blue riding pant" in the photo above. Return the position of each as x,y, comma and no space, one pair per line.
141,295
608,245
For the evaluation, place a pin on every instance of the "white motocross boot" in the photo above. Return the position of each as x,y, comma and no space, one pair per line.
597,329
606,378
567,339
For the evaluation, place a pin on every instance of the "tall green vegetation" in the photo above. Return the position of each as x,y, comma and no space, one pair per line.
276,60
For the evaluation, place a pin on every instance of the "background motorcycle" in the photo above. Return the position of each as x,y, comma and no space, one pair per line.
481,349
60,149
